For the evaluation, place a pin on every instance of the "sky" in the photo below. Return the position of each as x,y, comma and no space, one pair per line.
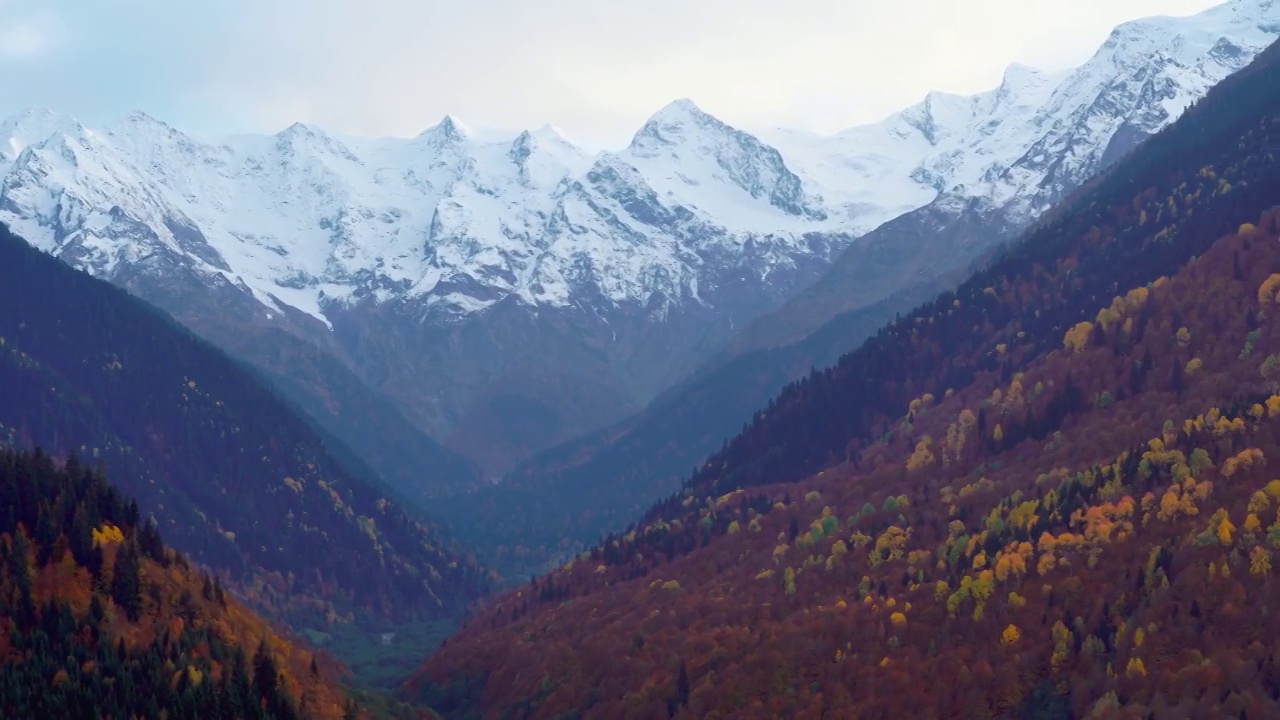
596,69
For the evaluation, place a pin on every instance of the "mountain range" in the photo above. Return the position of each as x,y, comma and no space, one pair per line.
996,161
493,291
498,297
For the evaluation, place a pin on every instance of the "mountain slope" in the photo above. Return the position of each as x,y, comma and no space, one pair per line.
99,619
235,477
1046,492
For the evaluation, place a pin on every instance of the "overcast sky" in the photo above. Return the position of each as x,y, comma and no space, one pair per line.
595,68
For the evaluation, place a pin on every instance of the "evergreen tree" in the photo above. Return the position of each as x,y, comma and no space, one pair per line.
126,581
682,685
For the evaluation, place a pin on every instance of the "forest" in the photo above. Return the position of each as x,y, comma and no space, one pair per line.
1046,492
99,619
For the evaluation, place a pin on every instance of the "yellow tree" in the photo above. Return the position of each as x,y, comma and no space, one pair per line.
1226,529
1252,524
1267,291
1077,338
923,456
1260,561
1011,635
1259,502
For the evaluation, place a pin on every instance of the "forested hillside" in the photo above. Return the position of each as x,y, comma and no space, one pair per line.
99,619
1045,494
232,474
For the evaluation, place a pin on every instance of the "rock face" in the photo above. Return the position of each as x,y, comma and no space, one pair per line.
508,294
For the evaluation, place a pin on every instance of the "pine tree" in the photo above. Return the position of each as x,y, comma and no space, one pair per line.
682,685
149,541
126,581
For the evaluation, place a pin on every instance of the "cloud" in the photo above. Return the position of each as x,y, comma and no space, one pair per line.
19,41
25,30
596,68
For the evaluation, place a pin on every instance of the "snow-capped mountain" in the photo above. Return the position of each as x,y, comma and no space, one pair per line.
316,223
509,293
1038,134
964,173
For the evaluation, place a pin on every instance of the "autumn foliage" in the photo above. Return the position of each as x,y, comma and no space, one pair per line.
99,619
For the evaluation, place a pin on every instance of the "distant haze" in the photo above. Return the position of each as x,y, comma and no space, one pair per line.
594,68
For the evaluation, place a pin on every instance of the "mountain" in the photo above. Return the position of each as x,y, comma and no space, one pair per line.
99,619
234,476
1042,494
1138,82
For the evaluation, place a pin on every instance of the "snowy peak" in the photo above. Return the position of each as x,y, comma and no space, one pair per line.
30,127
683,145
546,139
545,157
310,141
941,116
676,123
1018,75
1248,23
1023,82
449,131
138,119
